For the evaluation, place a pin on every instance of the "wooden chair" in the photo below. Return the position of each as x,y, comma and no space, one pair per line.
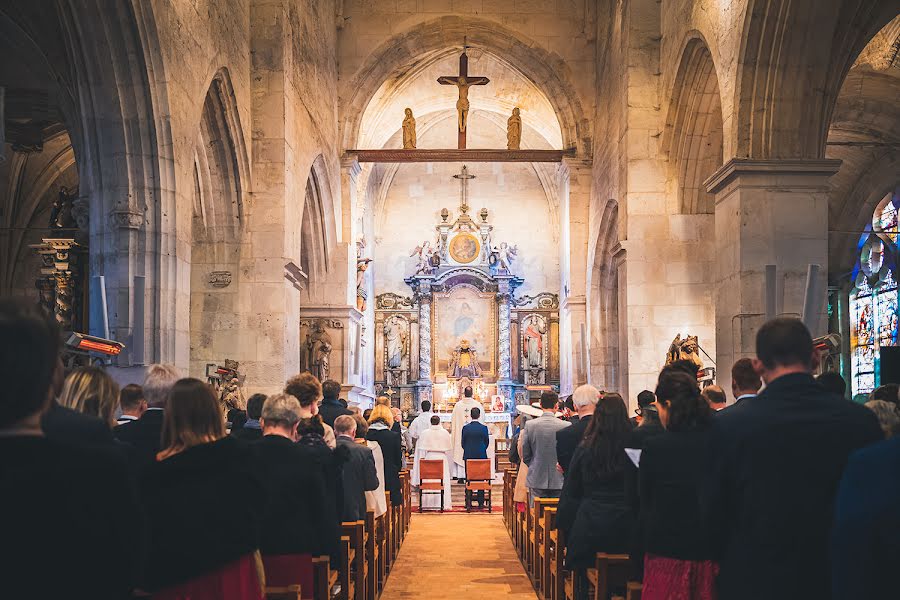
431,473
611,571
355,577
633,590
290,592
478,479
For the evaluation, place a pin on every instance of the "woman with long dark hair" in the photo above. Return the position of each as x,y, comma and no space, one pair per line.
202,480
592,509
678,551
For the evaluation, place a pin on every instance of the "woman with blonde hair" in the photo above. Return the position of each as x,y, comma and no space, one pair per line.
380,422
90,390
184,493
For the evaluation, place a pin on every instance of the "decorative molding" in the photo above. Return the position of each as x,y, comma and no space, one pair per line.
392,301
219,279
126,219
739,167
542,301
329,323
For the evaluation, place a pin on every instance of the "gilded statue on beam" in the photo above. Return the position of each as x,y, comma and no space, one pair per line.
514,131
409,131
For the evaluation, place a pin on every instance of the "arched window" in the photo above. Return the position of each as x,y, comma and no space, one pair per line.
873,299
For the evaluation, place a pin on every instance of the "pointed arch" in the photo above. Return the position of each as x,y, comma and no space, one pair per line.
693,137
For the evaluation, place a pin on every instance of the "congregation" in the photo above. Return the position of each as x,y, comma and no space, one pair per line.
790,491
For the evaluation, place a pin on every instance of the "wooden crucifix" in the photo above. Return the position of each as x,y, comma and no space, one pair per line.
463,81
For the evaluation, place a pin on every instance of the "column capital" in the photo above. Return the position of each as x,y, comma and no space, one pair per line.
350,163
780,169
571,163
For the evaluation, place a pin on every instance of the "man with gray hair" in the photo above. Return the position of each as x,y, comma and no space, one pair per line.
301,511
144,434
585,400
360,475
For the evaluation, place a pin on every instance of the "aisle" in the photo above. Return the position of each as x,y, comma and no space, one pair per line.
458,557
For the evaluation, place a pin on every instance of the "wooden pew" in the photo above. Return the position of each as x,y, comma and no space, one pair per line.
324,579
291,592
345,572
388,534
536,539
501,454
553,555
373,556
633,590
611,571
355,576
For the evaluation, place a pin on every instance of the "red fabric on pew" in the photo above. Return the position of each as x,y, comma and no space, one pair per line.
673,579
283,570
238,580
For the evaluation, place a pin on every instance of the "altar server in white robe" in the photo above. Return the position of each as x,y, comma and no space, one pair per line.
462,414
421,422
434,444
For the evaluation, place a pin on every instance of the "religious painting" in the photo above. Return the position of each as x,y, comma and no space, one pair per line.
464,315
464,248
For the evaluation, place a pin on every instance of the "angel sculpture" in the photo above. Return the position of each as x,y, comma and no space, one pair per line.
423,256
505,256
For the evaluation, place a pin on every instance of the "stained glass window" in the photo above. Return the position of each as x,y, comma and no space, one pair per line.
874,310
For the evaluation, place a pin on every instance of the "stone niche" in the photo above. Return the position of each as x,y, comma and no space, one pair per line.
331,347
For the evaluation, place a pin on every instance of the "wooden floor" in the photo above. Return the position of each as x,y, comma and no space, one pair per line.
457,557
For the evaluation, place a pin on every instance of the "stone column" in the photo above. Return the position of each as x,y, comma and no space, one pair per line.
423,296
767,212
574,180
505,385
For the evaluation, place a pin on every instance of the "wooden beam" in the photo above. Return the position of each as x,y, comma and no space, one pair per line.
470,155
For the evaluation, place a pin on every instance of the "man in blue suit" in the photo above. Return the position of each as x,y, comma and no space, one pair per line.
475,440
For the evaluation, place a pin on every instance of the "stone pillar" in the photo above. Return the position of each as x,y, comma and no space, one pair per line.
767,212
423,296
505,385
574,180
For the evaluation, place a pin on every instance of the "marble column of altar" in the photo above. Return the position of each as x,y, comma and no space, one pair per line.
505,384
423,295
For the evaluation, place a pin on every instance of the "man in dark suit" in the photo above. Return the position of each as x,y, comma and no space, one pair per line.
475,442
745,381
302,510
359,474
145,435
331,407
775,466
585,401
252,429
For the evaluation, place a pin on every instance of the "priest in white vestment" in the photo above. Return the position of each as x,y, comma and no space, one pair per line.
434,444
462,415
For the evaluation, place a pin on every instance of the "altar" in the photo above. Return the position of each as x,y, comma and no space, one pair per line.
463,325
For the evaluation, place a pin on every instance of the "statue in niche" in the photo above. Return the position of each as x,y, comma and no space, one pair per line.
533,348
230,395
685,349
464,362
318,351
514,130
61,216
395,336
361,265
423,257
409,131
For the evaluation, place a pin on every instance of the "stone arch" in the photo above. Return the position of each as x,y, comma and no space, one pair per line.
218,221
603,303
432,39
316,225
693,137
792,62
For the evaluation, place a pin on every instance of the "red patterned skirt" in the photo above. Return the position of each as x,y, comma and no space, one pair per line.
239,580
673,579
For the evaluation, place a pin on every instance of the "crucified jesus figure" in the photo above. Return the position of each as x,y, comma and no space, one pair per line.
463,82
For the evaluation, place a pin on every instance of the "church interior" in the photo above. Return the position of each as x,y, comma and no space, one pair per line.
422,198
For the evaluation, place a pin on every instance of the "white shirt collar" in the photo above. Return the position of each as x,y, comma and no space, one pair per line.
741,397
